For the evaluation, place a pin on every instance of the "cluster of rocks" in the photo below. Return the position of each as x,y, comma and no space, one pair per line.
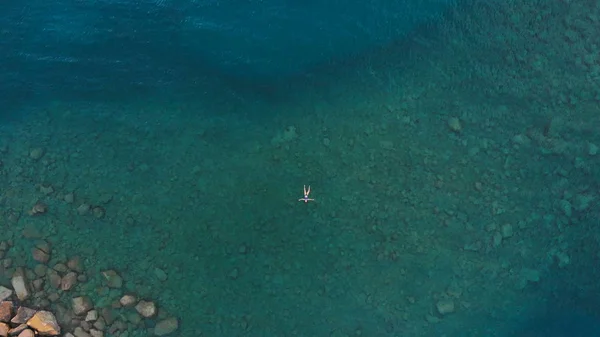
22,321
49,298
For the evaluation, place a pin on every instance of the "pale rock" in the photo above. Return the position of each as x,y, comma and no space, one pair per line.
100,324
91,316
128,300
5,293
445,307
146,308
85,325
81,305
454,124
20,286
96,333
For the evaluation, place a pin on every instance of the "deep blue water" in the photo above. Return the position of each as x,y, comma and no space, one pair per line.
136,45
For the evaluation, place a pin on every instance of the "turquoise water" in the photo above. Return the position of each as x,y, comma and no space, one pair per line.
454,174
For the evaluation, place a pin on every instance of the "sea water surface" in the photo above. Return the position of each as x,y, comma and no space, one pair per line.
156,157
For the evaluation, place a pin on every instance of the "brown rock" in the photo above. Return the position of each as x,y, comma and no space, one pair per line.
75,264
38,284
53,297
27,333
40,270
166,326
39,255
23,315
44,323
6,310
53,279
81,305
146,308
18,329
68,281
4,329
